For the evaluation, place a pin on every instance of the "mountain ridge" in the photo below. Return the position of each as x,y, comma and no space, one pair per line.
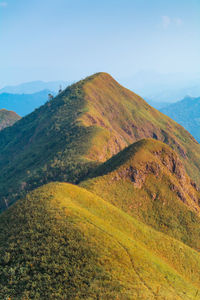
83,126
125,225
147,180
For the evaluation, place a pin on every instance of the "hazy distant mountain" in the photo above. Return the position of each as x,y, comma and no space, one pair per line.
23,104
174,94
158,105
163,87
34,87
186,113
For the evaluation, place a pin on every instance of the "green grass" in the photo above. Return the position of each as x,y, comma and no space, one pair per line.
63,242
145,180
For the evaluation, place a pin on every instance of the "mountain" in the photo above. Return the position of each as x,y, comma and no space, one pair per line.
173,94
7,118
147,180
63,242
25,103
158,105
128,229
162,88
82,127
186,113
34,87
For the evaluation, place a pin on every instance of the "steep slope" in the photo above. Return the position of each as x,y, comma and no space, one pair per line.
186,113
23,104
73,245
84,125
148,181
7,118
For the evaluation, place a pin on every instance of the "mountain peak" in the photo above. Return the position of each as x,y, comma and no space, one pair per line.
100,75
83,126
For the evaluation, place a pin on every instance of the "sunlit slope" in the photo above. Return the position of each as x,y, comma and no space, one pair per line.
126,118
86,124
7,118
148,181
63,242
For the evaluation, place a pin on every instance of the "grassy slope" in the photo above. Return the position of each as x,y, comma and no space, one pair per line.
86,124
72,244
125,118
148,181
7,118
47,145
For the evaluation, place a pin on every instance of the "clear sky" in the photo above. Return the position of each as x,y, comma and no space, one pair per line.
69,39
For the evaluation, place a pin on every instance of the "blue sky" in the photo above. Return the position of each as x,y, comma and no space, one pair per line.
70,39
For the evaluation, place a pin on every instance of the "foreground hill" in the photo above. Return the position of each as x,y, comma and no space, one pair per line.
83,126
186,113
148,181
7,118
72,244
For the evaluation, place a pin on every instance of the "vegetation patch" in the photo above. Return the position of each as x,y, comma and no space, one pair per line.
63,242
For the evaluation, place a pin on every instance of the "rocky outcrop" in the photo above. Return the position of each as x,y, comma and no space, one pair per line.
160,163
7,118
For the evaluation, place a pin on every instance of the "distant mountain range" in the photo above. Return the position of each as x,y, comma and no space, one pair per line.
100,199
158,105
23,104
34,87
186,113
7,118
160,88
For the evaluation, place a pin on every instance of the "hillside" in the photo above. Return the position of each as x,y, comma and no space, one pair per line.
7,118
186,113
83,126
23,104
148,181
72,244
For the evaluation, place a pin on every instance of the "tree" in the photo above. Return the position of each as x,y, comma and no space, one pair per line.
50,97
